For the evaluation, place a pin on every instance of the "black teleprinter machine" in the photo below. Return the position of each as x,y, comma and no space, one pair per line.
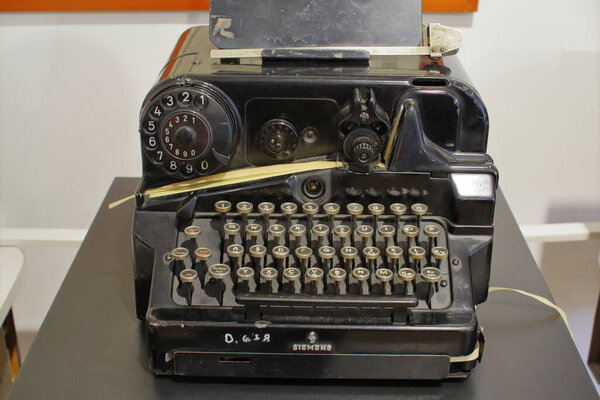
316,200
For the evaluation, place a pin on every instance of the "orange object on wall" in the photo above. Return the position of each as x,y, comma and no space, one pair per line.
180,5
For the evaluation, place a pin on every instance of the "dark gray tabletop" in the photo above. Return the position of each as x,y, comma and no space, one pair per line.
91,346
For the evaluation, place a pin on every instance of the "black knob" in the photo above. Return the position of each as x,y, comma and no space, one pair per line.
363,153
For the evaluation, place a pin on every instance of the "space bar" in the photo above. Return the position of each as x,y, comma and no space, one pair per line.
306,300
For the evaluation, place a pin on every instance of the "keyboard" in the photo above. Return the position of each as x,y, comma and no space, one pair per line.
322,220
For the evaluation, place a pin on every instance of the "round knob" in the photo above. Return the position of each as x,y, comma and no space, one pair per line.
363,153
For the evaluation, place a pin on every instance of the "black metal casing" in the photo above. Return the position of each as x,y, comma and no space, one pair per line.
432,150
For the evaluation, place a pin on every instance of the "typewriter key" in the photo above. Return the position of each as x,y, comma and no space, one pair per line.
303,254
231,229
253,230
354,209
244,208
235,253
314,275
277,231
431,275
416,254
280,254
297,231
266,209
342,232
366,232
411,233
289,209
432,232
376,209
419,209
337,275
398,209
394,253
187,278
361,275
408,276
439,253
257,253
223,207
244,274
384,276
310,209
371,254
320,231
326,253
331,209
192,232
387,232
179,255
202,255
292,274
269,275
219,272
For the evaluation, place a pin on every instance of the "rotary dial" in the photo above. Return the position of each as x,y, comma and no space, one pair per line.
185,135
189,131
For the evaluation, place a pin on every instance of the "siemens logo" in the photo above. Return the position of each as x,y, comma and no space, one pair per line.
312,347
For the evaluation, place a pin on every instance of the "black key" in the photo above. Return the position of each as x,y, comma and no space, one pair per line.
439,254
387,232
180,254
431,275
326,253
310,209
416,255
371,254
376,209
354,209
280,254
362,276
292,275
337,275
219,272
398,210
394,254
266,209
314,275
257,253
419,209
277,231
408,276
366,232
244,274
297,231
342,232
385,276
235,252
432,232
411,233
253,232
269,275
187,278
231,229
192,233
320,231
202,255
348,254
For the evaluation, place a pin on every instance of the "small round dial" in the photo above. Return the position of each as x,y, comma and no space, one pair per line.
185,135
278,139
188,131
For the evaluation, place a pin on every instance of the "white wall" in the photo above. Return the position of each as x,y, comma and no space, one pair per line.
71,85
